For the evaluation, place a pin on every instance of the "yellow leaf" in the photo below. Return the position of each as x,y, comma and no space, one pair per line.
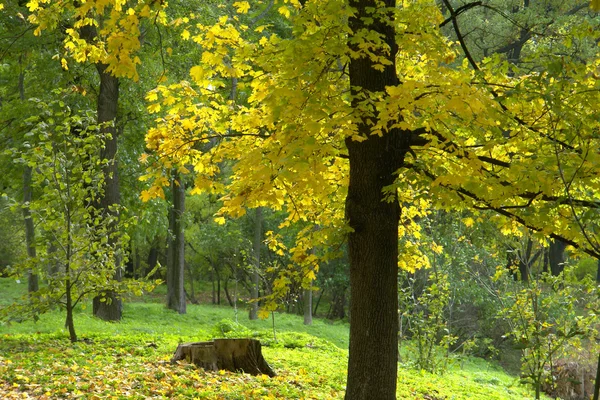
283,10
242,7
152,96
263,314
145,196
197,73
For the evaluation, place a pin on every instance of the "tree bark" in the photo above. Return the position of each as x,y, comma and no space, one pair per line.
373,242
108,100
307,297
152,255
176,266
337,309
258,217
556,257
597,382
32,278
225,354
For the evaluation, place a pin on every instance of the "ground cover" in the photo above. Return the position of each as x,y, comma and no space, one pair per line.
130,359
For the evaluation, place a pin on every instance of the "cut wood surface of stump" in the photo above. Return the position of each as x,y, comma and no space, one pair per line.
229,354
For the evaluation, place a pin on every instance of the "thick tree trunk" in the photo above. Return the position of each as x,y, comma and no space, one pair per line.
258,217
234,355
373,243
108,100
176,264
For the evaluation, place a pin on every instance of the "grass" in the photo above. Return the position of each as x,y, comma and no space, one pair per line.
130,359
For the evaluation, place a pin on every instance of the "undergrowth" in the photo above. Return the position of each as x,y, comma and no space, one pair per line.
130,359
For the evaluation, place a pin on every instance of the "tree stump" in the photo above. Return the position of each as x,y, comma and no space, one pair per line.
229,354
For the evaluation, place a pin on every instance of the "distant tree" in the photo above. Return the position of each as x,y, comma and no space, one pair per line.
176,247
256,247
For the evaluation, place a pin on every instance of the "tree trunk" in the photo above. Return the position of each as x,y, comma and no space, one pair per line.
337,309
32,278
176,266
556,256
597,382
373,242
307,297
258,217
108,100
225,354
152,256
318,301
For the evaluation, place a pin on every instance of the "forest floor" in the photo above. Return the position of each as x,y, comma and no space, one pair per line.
130,359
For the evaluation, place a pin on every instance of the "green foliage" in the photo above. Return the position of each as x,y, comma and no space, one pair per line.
36,360
11,236
227,328
586,267
77,244
548,316
427,322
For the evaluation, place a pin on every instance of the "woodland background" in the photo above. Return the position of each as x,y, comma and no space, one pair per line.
424,171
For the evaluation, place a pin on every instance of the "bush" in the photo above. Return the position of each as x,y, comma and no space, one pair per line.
586,267
227,328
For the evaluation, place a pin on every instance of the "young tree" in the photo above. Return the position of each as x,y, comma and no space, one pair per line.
62,150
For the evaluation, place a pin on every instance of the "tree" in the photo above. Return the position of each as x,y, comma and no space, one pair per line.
379,113
107,35
63,148
256,245
176,247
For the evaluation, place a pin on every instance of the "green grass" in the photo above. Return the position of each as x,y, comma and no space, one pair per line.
130,359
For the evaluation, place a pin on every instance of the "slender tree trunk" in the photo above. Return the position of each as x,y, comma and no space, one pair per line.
170,279
152,255
597,382
337,310
69,322
307,296
373,242
318,301
258,217
176,269
32,278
